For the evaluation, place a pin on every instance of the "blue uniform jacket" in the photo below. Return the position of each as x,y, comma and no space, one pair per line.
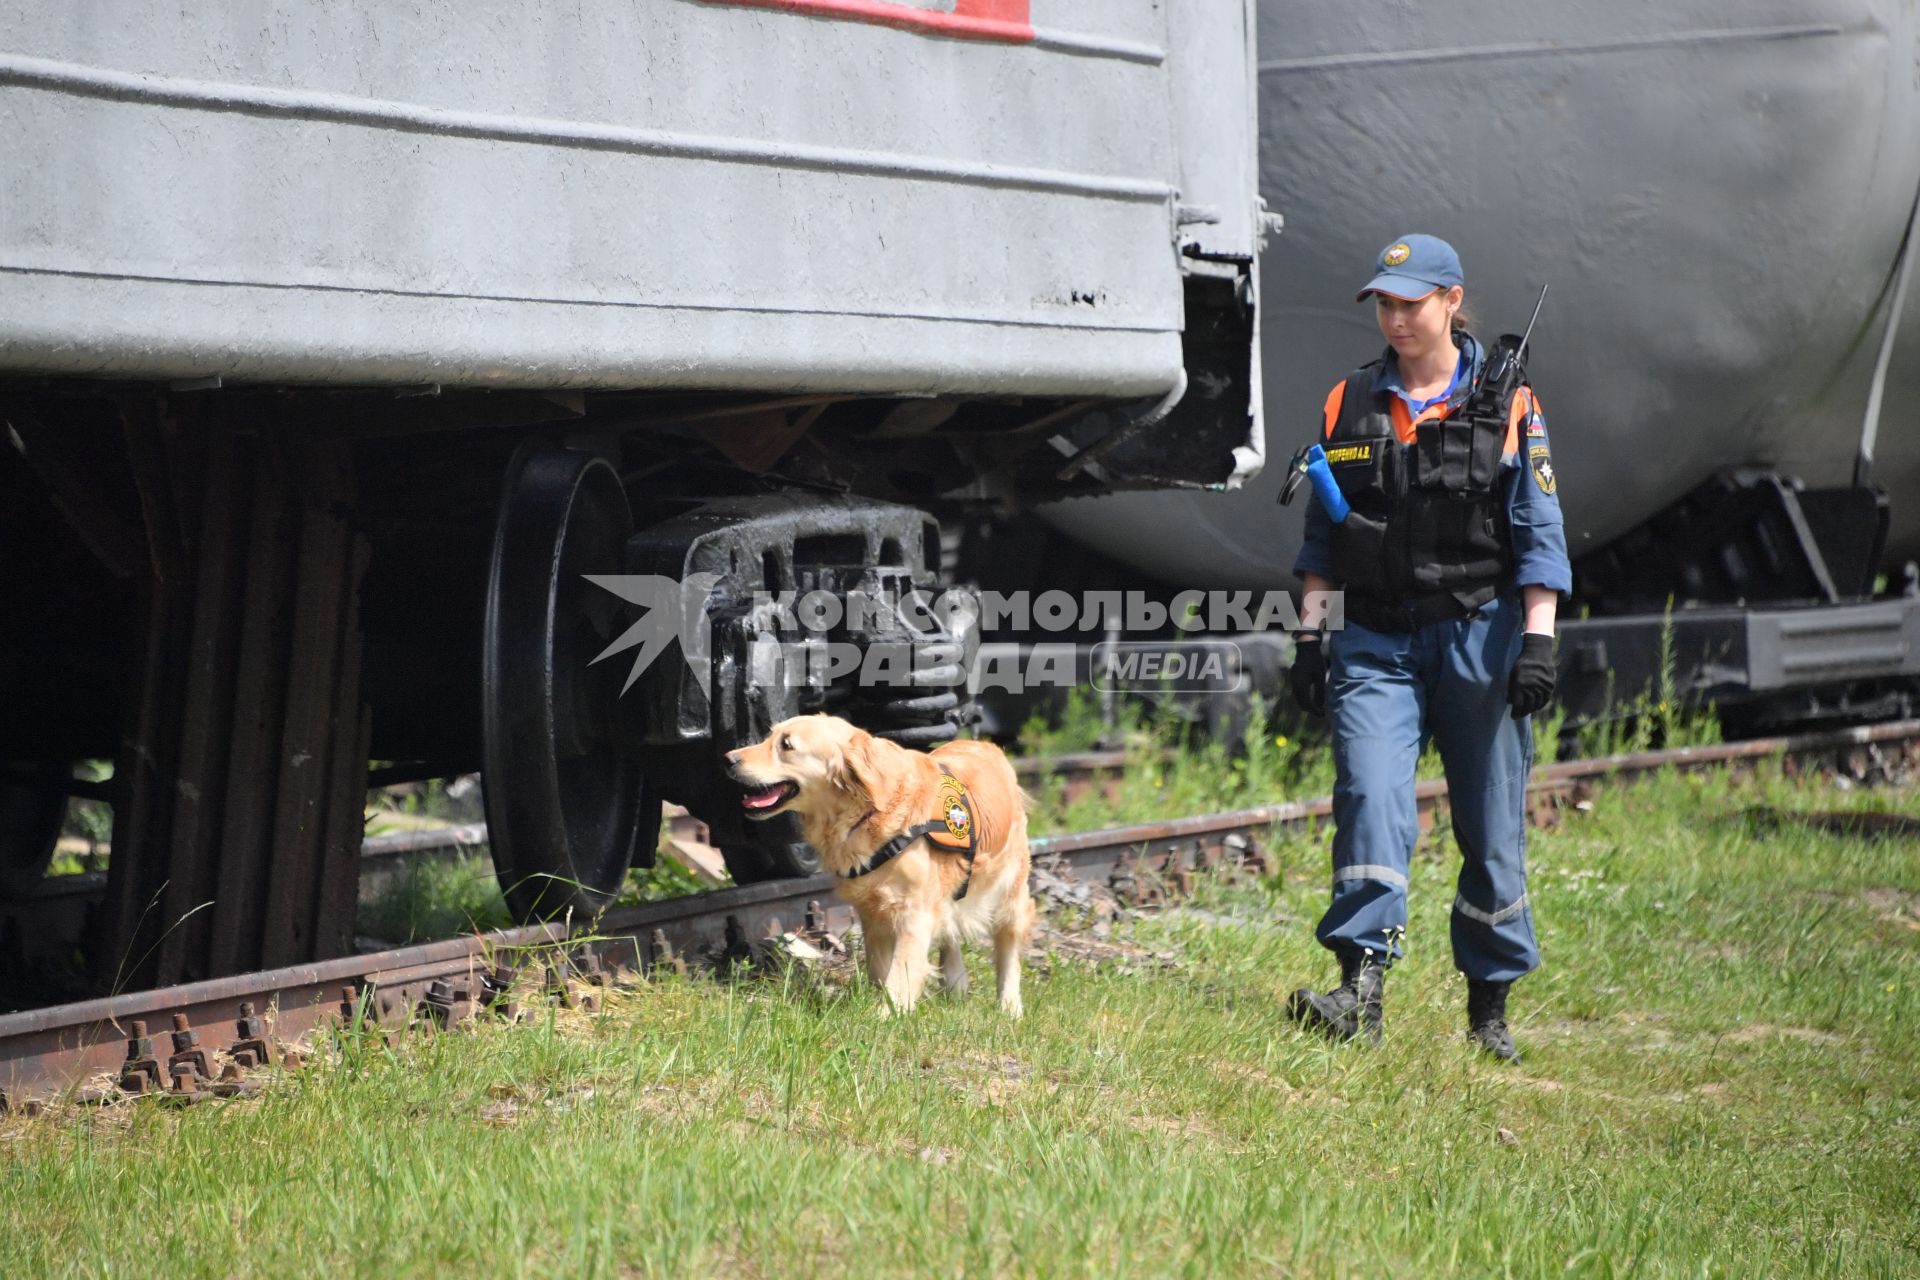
1533,502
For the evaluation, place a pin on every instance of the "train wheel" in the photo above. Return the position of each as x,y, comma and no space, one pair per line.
772,857
567,812
30,816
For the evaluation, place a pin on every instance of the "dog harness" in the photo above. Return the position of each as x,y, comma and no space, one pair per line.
952,831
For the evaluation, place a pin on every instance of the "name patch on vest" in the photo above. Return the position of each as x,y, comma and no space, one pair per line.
1350,453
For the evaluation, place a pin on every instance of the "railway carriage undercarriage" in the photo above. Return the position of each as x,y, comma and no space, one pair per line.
246,616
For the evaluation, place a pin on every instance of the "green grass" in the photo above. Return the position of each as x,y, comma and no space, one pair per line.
1173,771
426,898
1722,1079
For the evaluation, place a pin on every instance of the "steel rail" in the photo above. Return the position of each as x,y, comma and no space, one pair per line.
85,1047
1075,773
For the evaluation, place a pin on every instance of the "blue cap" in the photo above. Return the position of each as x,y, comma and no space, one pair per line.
1413,267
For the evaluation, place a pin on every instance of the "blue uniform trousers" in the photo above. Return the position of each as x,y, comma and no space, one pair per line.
1387,693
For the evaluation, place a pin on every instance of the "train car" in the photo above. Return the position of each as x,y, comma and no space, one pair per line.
344,345
1723,198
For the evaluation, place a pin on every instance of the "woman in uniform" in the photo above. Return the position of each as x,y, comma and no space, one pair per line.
1451,558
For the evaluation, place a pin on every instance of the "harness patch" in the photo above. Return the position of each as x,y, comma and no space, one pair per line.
1350,453
953,831
1542,468
956,815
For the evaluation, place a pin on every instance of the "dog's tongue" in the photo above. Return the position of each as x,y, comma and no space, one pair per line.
764,799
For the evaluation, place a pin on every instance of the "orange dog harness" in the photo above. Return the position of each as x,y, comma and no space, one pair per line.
953,830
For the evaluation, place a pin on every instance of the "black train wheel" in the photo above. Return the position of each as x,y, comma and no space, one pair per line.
567,812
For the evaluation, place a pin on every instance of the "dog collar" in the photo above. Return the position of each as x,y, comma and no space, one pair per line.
953,830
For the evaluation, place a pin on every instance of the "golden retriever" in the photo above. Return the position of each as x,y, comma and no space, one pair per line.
854,793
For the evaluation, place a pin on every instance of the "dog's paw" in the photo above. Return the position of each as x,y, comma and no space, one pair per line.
1011,1006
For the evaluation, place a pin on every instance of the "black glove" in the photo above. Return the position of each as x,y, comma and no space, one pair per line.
1530,687
1308,675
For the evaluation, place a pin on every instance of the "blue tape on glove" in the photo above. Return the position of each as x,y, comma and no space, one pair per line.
1325,487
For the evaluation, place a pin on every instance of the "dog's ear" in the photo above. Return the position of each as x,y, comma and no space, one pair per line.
856,769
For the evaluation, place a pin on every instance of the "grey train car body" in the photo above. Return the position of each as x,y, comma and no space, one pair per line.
1717,193
676,193
347,350
1722,197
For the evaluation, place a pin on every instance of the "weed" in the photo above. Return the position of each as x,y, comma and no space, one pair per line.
1083,724
441,896
1661,717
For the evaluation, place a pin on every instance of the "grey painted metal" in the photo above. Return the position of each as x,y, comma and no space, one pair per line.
1889,343
1859,642
1716,190
1214,75
1896,450
670,194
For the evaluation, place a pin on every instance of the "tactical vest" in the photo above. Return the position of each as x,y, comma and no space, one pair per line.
1428,525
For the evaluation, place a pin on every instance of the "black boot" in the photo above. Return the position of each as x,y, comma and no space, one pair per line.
1351,1009
1487,1019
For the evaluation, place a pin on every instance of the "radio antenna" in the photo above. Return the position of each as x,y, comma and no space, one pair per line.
1538,303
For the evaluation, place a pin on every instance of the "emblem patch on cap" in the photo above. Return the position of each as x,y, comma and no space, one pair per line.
1398,254
1542,468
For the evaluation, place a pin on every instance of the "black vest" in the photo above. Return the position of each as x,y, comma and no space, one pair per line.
1428,527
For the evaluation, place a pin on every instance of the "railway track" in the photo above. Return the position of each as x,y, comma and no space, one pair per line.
61,904
1069,776
211,1038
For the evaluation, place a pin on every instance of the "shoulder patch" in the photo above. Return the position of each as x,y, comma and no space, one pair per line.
1542,467
1536,425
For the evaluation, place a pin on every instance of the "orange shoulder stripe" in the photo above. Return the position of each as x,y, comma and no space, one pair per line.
1517,414
1331,414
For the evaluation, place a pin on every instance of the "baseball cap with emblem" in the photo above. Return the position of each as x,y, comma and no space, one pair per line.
1413,267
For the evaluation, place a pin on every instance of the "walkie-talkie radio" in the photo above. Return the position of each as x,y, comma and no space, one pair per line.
1506,367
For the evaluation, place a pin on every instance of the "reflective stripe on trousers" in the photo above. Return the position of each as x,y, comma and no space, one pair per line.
1501,916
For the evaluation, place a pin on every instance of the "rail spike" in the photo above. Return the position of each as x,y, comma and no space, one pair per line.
141,1074
250,1047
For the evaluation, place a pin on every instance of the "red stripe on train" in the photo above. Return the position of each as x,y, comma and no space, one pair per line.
1008,20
